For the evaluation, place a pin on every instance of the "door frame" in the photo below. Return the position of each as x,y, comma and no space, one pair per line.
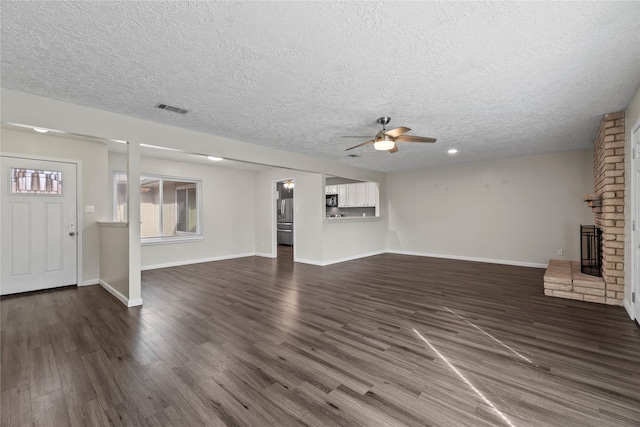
274,218
635,188
79,216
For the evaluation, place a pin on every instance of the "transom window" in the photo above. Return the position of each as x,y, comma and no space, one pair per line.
170,208
30,181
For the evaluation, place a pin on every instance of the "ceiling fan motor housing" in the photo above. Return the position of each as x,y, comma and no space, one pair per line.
384,120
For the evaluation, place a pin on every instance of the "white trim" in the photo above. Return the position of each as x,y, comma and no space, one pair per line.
633,190
134,302
475,259
89,282
79,220
167,240
308,261
351,258
265,255
114,292
126,301
628,305
195,261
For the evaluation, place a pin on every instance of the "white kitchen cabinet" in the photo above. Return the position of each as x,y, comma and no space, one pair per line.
363,194
331,189
352,195
342,196
347,196
371,194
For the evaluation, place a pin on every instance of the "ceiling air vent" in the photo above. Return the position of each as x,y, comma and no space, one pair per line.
172,108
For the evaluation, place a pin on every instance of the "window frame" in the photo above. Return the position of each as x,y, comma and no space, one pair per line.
180,236
185,188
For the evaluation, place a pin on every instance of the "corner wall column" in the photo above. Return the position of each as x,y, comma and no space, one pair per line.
133,218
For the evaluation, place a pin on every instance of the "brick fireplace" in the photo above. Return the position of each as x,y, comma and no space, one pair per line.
563,279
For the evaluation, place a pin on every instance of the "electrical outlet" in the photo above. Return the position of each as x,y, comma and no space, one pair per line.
560,252
89,209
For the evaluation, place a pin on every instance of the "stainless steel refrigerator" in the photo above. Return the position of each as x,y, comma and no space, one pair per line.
285,221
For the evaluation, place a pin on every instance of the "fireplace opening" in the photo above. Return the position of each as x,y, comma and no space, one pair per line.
591,250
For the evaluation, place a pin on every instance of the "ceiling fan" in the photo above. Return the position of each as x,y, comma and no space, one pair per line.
387,140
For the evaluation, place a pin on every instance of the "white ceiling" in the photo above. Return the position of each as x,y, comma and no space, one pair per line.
491,79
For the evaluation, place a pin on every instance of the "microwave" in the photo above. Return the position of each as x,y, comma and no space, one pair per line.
332,201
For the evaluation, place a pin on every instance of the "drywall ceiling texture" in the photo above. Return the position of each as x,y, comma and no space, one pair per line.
495,79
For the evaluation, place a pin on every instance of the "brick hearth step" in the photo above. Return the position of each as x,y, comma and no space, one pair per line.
564,279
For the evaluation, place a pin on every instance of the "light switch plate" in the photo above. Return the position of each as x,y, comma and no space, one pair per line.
89,209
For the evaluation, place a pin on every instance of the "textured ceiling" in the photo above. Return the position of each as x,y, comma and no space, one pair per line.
491,79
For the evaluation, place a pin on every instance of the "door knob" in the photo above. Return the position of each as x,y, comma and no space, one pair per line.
72,233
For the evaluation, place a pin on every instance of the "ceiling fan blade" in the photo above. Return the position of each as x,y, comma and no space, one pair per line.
397,131
394,149
360,145
411,138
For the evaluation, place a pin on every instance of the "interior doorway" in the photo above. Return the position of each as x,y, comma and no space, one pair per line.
285,218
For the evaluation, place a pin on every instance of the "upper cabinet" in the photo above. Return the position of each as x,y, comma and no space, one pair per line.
331,189
362,194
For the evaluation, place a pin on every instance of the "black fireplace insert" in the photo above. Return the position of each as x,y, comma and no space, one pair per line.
591,250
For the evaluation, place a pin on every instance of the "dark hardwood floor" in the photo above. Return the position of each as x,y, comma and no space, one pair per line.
285,252
383,341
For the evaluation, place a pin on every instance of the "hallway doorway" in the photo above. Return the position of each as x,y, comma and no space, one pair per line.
285,218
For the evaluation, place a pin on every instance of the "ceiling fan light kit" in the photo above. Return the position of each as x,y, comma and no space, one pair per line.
386,140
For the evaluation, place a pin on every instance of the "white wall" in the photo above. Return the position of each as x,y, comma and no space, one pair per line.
517,210
317,241
114,259
228,217
93,157
344,240
308,213
350,239
632,118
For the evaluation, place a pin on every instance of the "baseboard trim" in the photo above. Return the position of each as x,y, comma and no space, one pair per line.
351,258
195,261
337,260
308,261
629,308
113,291
90,282
475,259
134,302
265,255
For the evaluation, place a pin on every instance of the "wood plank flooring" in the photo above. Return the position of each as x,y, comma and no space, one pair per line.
388,340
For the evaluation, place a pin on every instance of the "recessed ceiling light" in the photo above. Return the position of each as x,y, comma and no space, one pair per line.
452,151
214,158
41,130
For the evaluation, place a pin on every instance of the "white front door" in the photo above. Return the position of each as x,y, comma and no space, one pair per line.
38,225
